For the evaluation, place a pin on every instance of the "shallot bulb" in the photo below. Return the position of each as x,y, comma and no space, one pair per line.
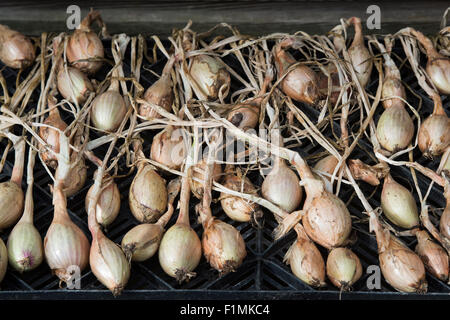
359,55
398,204
282,187
16,50
168,148
301,83
395,128
74,85
108,263
223,245
25,249
343,268
438,66
235,207
434,132
245,115
11,194
85,49
180,249
108,110
305,260
3,260
51,136
197,171
148,194
108,203
400,266
142,241
434,257
159,93
332,72
65,244
211,78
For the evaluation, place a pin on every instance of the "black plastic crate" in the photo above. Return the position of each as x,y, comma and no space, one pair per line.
263,275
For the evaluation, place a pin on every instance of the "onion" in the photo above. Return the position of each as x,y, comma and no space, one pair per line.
84,44
433,255
330,71
245,115
343,268
434,132
142,241
223,245
65,245
398,204
210,77
235,207
51,136
359,55
16,50
11,194
108,109
282,187
400,266
107,260
305,260
180,249
148,194
301,83
3,260
395,128
74,84
25,250
168,148
108,204
108,263
77,176
159,93
197,171
438,66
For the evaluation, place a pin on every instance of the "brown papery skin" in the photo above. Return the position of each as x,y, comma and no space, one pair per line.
438,66
395,128
85,44
359,55
148,195
237,208
16,50
301,84
76,178
76,80
245,115
433,255
335,85
161,94
343,268
198,171
210,76
401,267
108,204
282,187
51,136
434,132
305,260
223,246
392,87
168,148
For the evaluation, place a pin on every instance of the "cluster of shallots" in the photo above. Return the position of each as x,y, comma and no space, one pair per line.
177,139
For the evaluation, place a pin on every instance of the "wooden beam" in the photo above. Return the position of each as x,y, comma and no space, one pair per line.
251,17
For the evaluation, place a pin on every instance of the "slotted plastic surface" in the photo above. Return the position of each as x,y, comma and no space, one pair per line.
263,273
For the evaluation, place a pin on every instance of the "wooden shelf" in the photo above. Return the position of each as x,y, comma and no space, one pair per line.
251,17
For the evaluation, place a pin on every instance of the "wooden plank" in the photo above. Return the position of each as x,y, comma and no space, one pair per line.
252,17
